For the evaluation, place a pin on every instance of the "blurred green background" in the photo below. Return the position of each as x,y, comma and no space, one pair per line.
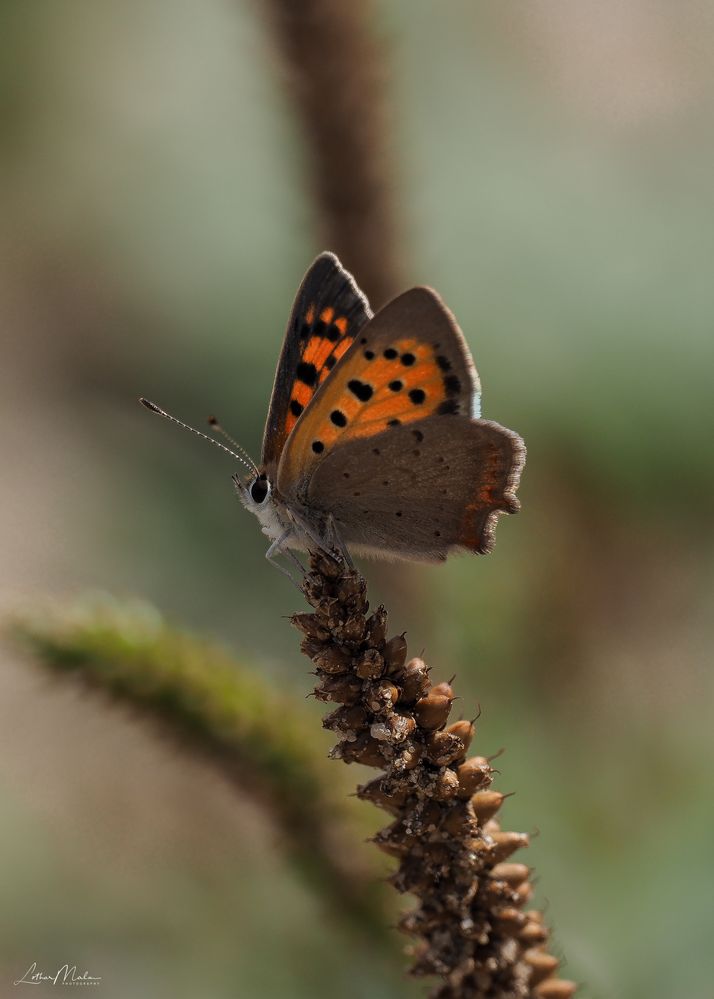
553,181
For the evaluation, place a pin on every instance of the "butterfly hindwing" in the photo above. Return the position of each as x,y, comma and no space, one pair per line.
422,489
409,362
329,311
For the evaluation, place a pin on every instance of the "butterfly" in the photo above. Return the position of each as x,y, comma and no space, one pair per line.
374,442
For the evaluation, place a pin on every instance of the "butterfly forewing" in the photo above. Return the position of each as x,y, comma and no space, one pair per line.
328,313
408,363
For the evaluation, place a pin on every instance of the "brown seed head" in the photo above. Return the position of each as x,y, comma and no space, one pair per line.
465,731
512,874
395,654
414,680
510,920
310,624
474,774
555,988
445,785
486,804
377,627
376,793
432,710
332,659
542,965
506,843
381,696
370,665
364,749
342,690
444,688
443,748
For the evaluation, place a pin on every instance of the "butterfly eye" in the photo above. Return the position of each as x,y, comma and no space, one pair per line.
260,489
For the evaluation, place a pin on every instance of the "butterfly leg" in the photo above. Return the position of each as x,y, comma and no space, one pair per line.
278,548
336,543
329,542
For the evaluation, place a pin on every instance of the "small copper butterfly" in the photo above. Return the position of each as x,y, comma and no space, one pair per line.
374,441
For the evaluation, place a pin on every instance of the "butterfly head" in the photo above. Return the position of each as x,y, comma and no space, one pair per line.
255,491
256,495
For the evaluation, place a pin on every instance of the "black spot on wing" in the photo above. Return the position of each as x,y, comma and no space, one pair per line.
452,385
417,396
318,447
296,407
338,418
448,407
307,374
362,390
444,363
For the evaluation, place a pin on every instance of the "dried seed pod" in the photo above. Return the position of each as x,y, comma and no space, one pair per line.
312,586
465,731
342,690
414,680
395,654
555,988
505,844
394,840
352,630
460,821
332,659
370,665
513,874
381,696
377,627
533,932
429,815
311,647
350,587
346,719
330,611
401,726
438,855
510,920
311,625
375,792
408,757
474,774
330,567
364,749
523,894
486,804
445,785
432,710
444,688
443,748
542,965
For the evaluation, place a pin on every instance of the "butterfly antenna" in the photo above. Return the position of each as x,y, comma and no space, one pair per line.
213,422
157,409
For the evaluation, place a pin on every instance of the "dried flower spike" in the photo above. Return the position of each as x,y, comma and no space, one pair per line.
469,927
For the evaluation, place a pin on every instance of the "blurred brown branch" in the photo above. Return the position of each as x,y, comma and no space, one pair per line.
335,77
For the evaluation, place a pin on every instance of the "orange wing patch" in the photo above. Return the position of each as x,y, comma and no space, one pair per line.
325,340
407,381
